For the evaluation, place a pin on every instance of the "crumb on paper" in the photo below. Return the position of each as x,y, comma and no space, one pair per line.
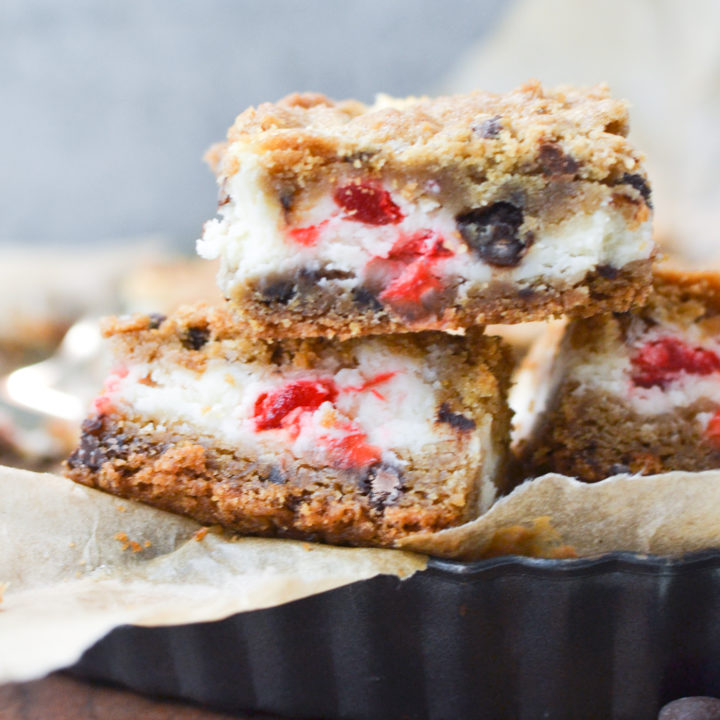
71,544
127,543
121,508
307,547
541,539
200,534
3,588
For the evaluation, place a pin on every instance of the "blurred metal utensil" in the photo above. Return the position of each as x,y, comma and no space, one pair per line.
61,386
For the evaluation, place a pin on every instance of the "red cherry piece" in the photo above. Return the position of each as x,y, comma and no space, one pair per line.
412,284
712,431
423,243
351,450
272,408
661,361
102,405
366,203
371,383
306,236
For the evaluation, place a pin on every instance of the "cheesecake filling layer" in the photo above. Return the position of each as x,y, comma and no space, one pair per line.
365,234
661,369
342,417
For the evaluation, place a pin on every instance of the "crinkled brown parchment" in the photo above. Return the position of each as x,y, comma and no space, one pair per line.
76,562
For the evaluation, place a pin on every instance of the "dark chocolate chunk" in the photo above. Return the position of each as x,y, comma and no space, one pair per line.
278,291
195,337
93,425
383,482
456,420
366,299
526,293
492,233
95,450
489,128
608,271
156,320
691,708
640,184
618,469
553,161
362,156
275,476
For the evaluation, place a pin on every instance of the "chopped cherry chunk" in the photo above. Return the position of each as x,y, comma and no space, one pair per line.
352,449
415,281
371,383
368,203
712,431
661,361
423,243
273,407
306,236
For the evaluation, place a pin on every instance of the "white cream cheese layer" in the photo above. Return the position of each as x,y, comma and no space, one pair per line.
250,240
612,373
219,402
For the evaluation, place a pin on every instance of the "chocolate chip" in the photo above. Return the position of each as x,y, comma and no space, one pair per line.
356,158
93,425
526,293
492,233
89,454
640,184
489,128
383,482
278,291
366,299
618,469
691,708
553,161
608,271
156,320
275,476
195,337
287,197
455,420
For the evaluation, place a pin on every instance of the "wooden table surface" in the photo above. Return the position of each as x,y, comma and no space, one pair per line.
61,697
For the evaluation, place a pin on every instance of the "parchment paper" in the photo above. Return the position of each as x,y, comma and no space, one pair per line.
76,562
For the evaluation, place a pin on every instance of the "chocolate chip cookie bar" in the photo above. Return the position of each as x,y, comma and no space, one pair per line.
637,392
357,442
341,219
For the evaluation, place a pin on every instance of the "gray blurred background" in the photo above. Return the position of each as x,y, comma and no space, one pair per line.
107,107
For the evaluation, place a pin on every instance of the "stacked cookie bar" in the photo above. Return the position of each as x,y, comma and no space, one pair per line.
346,391
636,392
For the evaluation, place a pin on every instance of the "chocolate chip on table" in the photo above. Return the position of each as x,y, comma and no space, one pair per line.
195,337
691,708
456,420
640,184
492,233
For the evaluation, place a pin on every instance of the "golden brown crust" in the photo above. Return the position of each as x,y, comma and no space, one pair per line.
335,314
284,499
573,132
